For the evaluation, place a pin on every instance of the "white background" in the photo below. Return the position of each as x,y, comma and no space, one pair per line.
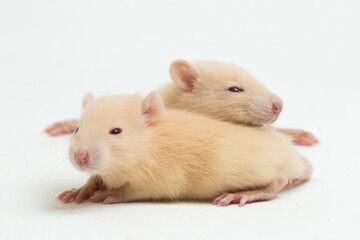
52,52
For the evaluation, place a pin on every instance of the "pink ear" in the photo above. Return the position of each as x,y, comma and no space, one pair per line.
183,74
152,107
88,98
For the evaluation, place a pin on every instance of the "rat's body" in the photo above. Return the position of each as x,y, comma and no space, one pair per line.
219,90
176,155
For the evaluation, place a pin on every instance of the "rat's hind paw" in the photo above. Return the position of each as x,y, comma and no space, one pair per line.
261,194
240,198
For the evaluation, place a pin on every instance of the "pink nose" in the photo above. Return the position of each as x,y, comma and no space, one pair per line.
276,107
82,156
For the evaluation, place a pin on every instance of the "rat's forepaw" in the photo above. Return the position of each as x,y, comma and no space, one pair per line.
303,138
77,195
69,196
106,197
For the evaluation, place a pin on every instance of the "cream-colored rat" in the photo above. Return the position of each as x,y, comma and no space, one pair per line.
220,90
135,150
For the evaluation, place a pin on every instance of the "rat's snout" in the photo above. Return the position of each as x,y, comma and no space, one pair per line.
276,107
82,156
87,156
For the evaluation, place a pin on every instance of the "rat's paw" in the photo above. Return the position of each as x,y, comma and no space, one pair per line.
77,195
69,196
230,198
240,198
99,196
261,194
303,138
60,128
106,197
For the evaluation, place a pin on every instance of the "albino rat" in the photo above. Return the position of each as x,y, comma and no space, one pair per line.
220,90
136,151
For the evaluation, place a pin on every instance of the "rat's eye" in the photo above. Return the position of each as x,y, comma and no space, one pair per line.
115,131
77,129
236,89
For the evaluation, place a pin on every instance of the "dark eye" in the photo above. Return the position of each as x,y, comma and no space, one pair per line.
236,89
115,131
77,129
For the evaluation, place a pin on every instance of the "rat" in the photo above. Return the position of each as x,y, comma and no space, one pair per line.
220,90
136,150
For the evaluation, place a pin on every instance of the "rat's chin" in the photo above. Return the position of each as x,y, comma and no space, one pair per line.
261,119
274,118
268,120
90,168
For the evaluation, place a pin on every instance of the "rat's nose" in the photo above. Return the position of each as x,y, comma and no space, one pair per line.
276,107
82,156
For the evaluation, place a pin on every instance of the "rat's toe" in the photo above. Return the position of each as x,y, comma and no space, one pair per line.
229,198
218,199
98,197
109,200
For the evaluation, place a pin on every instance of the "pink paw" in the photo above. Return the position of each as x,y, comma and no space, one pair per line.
77,195
230,198
69,196
304,138
105,198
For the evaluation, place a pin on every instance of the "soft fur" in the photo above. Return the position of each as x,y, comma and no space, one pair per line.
202,87
177,155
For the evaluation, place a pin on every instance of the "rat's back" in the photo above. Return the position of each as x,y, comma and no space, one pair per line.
213,156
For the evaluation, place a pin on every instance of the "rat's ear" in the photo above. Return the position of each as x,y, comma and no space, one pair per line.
183,74
152,107
88,98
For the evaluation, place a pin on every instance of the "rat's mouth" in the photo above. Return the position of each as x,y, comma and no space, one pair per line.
259,118
88,166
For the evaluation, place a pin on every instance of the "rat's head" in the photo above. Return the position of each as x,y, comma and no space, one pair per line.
111,130
226,91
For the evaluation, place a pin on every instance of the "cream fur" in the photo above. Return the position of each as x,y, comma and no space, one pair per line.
207,92
181,155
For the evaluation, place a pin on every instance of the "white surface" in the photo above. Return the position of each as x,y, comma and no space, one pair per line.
52,52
